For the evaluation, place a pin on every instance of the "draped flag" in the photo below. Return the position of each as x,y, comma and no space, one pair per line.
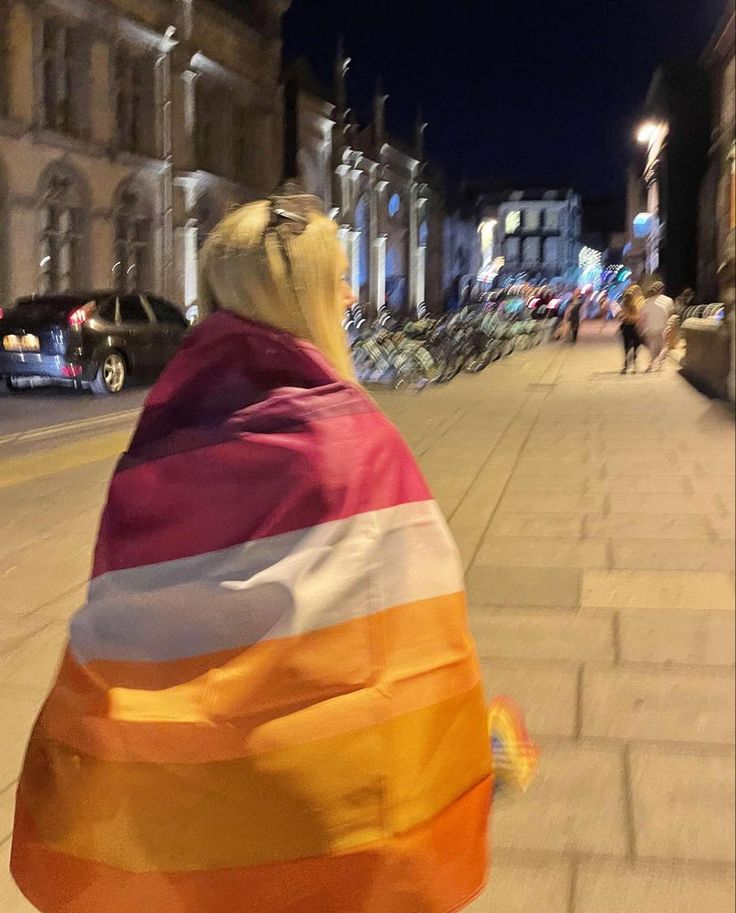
270,702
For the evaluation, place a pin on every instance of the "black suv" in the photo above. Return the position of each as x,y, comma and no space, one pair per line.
93,339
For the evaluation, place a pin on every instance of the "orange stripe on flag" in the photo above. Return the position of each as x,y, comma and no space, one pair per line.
437,867
268,696
325,796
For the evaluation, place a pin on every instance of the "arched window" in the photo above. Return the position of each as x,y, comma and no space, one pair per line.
551,251
132,268
394,205
63,217
206,212
531,253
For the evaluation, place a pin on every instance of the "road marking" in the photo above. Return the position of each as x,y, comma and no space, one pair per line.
40,434
17,470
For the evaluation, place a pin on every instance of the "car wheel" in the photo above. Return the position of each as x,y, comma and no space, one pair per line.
111,375
7,387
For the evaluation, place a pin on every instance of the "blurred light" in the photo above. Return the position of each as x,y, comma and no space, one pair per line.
644,224
646,131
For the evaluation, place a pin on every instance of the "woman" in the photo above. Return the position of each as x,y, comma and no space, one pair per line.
270,702
633,299
574,315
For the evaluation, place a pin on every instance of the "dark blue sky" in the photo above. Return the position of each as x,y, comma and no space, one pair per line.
515,91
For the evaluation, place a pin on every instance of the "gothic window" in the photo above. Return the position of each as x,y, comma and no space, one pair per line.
394,205
531,220
64,69
62,230
531,251
551,219
132,241
134,108
512,222
205,212
206,126
513,250
551,251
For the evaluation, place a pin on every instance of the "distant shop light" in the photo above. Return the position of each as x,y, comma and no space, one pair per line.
644,224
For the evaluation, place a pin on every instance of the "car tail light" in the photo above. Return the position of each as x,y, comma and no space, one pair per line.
71,370
78,317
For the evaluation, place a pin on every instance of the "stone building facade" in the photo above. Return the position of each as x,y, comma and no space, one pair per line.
127,129
538,233
375,187
717,251
674,134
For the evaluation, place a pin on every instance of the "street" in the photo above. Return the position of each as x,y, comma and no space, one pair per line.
595,517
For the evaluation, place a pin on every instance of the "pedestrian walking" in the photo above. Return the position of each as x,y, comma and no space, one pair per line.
270,701
653,320
631,304
576,307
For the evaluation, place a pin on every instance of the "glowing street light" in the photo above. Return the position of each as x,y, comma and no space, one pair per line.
646,132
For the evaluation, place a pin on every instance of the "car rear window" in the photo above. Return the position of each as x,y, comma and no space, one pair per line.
53,308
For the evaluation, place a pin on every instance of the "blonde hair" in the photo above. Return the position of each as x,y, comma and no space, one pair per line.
280,271
633,299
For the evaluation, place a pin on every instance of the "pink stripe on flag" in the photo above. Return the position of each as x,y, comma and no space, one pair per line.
258,485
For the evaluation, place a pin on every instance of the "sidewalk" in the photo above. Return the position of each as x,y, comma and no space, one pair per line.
594,513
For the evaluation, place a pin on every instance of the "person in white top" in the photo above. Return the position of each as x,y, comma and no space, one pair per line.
653,322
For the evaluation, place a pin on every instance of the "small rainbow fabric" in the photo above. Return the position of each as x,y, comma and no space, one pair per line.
270,702
515,757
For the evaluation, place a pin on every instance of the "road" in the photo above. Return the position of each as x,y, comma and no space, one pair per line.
595,517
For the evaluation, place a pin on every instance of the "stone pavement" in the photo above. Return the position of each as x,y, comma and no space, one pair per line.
595,516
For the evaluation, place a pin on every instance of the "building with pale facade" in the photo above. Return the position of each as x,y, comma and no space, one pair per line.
127,129
374,186
537,233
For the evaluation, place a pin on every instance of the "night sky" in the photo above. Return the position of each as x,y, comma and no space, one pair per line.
515,91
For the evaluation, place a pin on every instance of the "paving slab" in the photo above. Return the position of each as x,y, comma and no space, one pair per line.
683,805
723,526
548,692
544,552
33,662
624,589
524,587
18,710
7,811
610,887
562,636
518,888
566,526
634,525
576,805
674,555
656,502
665,636
554,502
659,705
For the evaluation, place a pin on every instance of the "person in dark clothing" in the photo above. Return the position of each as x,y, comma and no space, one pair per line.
631,304
576,307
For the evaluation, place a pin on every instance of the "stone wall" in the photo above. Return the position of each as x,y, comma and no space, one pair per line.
181,45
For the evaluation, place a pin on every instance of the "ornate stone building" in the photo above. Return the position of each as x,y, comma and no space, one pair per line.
538,233
376,188
127,129
717,252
